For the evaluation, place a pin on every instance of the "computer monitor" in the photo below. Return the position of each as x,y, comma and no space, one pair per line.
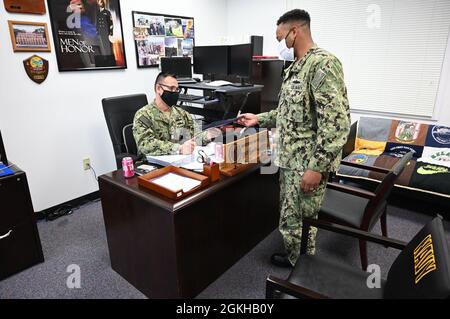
211,60
179,66
2,151
257,43
241,57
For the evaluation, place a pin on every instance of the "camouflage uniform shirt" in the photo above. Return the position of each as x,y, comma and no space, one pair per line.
312,117
157,133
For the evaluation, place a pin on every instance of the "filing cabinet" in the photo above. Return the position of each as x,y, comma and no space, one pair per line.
20,245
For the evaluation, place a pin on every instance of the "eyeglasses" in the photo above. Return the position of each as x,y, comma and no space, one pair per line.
171,88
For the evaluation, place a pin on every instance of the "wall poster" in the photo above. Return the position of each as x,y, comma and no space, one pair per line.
161,35
87,34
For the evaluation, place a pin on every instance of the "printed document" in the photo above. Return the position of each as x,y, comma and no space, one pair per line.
175,182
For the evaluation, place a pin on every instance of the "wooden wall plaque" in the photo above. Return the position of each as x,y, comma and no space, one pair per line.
25,6
36,68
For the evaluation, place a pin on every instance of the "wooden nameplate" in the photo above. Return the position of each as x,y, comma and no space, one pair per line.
236,169
244,153
25,6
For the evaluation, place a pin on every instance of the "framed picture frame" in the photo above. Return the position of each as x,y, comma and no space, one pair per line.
159,35
88,35
25,6
29,36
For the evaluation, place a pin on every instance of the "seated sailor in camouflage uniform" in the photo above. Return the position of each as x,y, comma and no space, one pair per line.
312,121
162,128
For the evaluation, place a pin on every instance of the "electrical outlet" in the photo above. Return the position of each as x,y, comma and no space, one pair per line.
86,163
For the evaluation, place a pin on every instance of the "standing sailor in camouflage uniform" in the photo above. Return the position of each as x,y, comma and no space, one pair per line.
162,128
312,121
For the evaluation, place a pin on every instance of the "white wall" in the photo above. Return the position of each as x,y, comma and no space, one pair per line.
254,17
265,13
49,128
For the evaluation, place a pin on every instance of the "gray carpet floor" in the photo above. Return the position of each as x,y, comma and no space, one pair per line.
80,239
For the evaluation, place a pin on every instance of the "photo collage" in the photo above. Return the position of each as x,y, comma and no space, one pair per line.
159,36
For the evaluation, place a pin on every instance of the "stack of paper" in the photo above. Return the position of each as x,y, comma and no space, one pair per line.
166,160
175,182
185,161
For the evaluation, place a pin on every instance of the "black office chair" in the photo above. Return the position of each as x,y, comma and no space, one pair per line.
119,114
128,139
421,270
354,207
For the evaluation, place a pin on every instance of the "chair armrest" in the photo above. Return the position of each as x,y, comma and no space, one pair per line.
352,232
276,284
349,146
351,190
366,167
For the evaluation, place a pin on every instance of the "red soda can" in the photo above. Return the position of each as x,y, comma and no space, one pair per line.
128,167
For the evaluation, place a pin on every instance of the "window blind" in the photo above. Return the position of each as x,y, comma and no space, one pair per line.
392,50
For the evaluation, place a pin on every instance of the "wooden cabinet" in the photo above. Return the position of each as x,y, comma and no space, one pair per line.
20,246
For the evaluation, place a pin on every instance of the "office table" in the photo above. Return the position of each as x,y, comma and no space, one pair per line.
175,249
223,98
224,89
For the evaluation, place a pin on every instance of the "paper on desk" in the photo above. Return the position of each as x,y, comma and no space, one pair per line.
185,161
192,163
166,160
175,182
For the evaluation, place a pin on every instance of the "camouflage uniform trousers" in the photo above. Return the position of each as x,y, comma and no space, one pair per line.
294,205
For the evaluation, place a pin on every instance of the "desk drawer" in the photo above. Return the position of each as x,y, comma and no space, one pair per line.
15,202
19,249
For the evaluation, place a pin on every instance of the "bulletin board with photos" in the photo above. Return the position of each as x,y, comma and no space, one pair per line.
161,35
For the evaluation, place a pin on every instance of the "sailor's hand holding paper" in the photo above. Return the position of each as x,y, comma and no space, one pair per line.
248,119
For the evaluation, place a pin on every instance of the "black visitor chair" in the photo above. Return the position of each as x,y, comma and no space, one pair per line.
421,270
358,208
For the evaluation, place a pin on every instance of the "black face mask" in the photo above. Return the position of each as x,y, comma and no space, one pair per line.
170,98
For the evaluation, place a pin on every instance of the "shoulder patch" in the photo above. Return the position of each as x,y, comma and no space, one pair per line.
145,121
318,78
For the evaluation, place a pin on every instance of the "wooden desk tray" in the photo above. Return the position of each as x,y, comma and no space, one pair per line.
146,181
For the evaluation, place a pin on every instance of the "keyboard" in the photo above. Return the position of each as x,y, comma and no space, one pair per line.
218,83
190,97
186,80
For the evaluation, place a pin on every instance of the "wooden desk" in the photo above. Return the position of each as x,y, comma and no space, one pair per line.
169,249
